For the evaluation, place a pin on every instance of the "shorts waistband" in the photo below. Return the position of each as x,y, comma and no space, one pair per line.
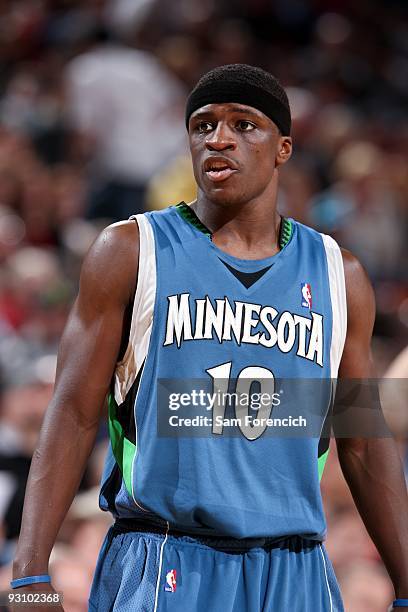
221,543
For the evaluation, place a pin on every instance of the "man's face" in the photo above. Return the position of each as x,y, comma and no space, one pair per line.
235,151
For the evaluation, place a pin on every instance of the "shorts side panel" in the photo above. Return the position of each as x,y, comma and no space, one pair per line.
301,579
126,573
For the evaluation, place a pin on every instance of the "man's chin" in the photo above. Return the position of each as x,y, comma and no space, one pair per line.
225,196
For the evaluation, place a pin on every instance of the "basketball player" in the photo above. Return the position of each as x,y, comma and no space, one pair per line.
230,293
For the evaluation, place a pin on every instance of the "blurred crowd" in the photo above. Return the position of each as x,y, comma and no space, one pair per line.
92,97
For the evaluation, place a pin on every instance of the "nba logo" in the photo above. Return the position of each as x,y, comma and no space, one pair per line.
306,290
171,582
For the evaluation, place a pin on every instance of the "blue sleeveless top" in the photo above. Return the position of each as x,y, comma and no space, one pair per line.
217,407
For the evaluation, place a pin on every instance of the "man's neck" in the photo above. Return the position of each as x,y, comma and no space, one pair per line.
248,231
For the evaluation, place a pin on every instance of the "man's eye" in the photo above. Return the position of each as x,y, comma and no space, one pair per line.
204,126
245,126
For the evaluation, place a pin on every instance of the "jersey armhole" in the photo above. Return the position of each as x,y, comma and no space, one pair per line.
128,368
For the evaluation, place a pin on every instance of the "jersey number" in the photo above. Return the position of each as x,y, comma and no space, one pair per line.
244,382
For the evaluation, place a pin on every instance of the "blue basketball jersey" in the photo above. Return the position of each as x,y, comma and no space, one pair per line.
208,330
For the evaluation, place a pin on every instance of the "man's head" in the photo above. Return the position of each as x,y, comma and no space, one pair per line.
238,118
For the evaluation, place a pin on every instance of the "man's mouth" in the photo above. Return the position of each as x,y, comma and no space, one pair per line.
218,169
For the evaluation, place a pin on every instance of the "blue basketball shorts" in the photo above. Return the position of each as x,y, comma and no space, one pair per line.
152,572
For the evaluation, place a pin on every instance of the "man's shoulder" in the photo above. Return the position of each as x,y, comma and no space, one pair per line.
354,271
120,239
111,264
359,290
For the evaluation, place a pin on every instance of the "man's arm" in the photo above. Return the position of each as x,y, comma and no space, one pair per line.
371,465
87,356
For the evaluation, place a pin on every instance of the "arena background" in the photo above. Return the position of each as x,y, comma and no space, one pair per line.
91,130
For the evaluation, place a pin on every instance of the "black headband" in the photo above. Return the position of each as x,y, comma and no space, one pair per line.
217,92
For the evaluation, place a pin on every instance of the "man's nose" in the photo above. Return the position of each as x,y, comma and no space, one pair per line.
221,138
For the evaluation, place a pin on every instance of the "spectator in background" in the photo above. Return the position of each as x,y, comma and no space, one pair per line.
127,108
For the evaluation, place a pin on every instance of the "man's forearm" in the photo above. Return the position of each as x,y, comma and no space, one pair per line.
56,471
373,471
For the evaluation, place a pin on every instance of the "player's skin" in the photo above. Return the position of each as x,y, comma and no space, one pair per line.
237,207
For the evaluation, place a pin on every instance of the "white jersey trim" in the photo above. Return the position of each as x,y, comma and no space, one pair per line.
326,578
159,571
337,285
142,316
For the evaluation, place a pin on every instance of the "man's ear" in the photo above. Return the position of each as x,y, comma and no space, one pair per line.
284,150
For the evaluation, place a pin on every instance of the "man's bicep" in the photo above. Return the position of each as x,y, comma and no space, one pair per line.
87,356
92,338
357,409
